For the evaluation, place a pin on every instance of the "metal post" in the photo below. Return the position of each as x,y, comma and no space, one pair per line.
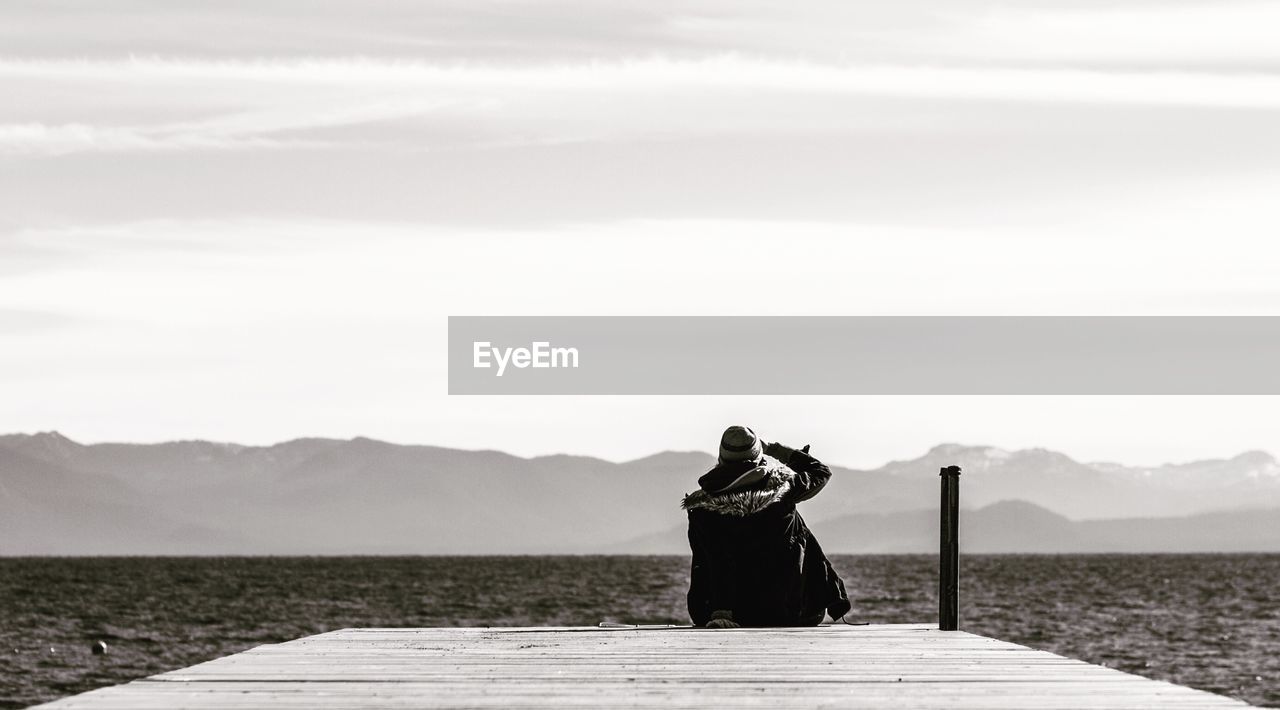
949,552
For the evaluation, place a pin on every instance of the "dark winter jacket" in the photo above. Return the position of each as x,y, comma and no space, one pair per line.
754,556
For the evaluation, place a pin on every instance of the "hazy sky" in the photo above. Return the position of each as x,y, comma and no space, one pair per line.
249,221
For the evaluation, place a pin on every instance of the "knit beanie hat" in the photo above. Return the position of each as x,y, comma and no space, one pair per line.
738,443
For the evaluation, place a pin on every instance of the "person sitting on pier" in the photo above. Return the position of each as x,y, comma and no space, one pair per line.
755,562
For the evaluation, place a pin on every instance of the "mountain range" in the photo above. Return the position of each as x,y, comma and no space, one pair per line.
361,496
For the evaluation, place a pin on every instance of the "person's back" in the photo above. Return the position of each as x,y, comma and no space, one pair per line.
755,562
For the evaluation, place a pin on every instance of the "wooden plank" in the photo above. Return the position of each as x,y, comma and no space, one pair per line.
906,666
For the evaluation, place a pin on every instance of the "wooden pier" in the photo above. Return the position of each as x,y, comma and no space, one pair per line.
900,666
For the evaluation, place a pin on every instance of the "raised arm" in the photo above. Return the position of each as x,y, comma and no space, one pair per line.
811,474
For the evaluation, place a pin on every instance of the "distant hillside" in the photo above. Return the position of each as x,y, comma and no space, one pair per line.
327,496
1018,526
323,496
1059,483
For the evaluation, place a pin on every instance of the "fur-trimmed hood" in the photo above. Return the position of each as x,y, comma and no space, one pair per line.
745,501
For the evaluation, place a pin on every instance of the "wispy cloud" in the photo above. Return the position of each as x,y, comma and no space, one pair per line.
722,72
21,322
1217,35
261,127
39,138
1100,264
284,104
1184,33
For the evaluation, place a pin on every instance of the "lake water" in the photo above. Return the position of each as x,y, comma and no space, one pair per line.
1207,621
